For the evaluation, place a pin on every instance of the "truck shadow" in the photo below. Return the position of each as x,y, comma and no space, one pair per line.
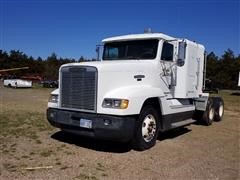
93,144
235,94
173,133
109,146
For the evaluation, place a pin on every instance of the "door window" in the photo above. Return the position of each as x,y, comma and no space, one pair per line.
167,52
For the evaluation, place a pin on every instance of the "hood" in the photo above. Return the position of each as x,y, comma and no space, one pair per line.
116,65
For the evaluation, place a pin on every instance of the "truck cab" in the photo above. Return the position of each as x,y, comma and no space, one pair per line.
144,84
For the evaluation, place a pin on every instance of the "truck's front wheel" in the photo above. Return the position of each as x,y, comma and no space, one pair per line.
147,127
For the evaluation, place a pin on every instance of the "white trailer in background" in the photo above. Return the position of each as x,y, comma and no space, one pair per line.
145,84
17,83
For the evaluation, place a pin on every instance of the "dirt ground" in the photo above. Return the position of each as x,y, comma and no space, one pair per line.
193,152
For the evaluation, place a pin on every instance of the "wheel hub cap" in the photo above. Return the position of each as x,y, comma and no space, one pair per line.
149,128
211,114
220,111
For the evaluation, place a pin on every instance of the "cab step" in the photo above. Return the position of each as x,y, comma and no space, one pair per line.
183,123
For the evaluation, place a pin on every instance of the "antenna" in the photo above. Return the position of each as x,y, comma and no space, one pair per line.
147,30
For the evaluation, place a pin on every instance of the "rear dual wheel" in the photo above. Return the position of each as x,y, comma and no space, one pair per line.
218,108
208,114
214,110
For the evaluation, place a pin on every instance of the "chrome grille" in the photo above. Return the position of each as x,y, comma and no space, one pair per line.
79,87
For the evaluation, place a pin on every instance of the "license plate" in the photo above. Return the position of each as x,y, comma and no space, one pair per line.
85,123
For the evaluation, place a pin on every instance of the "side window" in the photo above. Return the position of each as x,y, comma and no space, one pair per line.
167,52
111,52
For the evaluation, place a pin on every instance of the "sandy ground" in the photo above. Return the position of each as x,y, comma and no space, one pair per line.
193,152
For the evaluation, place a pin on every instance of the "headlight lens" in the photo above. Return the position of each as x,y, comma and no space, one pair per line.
115,103
53,98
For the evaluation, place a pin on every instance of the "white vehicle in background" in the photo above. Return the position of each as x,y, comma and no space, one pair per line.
17,83
144,84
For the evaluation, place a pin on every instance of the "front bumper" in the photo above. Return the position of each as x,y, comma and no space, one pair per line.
117,128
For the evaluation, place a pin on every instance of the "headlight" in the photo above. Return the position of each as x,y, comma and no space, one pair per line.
115,103
53,98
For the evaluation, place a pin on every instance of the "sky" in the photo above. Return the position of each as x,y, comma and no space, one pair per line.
72,28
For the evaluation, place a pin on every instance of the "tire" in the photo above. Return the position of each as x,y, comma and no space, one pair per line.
147,128
208,115
218,108
198,115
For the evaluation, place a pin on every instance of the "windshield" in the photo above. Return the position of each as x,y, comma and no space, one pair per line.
137,49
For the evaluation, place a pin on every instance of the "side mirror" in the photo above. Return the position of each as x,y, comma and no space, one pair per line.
98,51
181,53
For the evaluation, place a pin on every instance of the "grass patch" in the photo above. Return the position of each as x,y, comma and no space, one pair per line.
25,156
23,124
38,141
100,167
83,176
63,145
58,163
146,169
104,175
8,150
13,145
68,152
81,165
46,153
5,151
231,102
10,167
31,153
64,167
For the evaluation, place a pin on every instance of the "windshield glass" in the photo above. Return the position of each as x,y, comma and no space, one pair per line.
137,49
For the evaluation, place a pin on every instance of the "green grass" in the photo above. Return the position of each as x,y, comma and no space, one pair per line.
231,102
23,124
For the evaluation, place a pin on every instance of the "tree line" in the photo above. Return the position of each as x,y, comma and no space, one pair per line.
223,71
45,68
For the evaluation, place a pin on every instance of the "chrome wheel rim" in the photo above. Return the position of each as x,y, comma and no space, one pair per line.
211,114
149,127
220,111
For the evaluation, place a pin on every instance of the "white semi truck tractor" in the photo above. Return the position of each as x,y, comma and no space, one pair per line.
144,84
